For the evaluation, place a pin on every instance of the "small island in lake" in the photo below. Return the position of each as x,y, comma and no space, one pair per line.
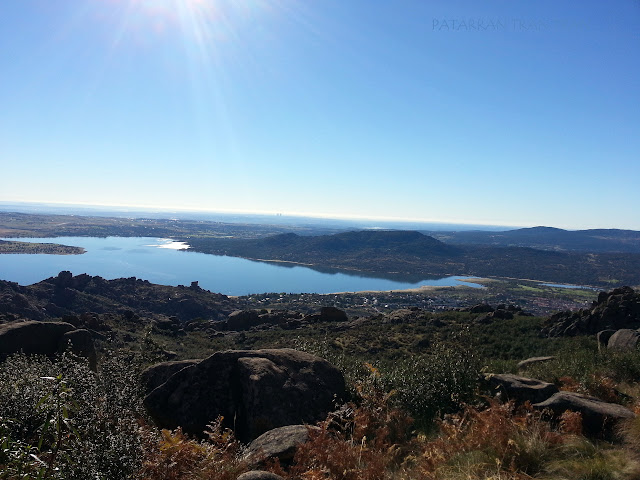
46,248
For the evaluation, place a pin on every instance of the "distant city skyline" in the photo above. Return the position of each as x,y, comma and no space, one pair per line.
462,112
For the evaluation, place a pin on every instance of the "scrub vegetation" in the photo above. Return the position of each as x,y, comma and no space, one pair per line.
415,408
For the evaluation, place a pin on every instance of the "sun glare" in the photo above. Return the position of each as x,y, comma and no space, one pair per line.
200,18
162,17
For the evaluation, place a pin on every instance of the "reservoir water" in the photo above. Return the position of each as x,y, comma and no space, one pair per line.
160,261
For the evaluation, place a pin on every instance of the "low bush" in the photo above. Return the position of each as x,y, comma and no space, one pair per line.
418,418
582,368
437,382
58,419
434,384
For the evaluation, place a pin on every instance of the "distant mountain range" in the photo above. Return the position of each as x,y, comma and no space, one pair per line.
548,238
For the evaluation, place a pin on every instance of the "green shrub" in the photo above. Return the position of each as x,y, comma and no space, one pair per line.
583,368
622,366
437,383
61,415
579,361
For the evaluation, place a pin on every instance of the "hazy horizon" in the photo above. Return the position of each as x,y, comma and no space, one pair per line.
253,217
263,217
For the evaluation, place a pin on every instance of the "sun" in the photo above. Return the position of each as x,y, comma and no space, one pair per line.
200,22
166,17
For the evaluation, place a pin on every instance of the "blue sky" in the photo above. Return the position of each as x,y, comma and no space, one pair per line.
497,112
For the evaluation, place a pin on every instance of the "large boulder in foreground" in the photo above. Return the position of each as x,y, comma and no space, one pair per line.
519,389
254,390
598,417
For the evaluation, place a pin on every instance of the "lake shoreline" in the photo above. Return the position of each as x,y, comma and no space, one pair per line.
162,260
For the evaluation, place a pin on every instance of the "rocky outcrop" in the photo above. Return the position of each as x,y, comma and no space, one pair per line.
333,314
615,310
16,304
488,314
598,417
32,337
481,308
168,326
498,314
254,391
73,295
243,320
519,389
280,443
246,319
46,338
328,314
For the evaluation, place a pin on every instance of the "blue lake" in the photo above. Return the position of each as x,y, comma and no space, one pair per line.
158,261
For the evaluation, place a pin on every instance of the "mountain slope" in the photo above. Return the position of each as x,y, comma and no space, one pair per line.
548,238
342,246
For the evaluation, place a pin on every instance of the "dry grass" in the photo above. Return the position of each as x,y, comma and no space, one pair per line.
174,456
495,441
370,443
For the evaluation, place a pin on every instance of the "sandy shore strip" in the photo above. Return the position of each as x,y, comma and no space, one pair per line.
420,289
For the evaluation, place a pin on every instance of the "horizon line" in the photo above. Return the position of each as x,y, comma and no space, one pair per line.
276,214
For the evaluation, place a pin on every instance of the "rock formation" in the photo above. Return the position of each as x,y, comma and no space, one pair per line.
617,309
255,391
624,339
598,417
46,338
155,375
519,389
